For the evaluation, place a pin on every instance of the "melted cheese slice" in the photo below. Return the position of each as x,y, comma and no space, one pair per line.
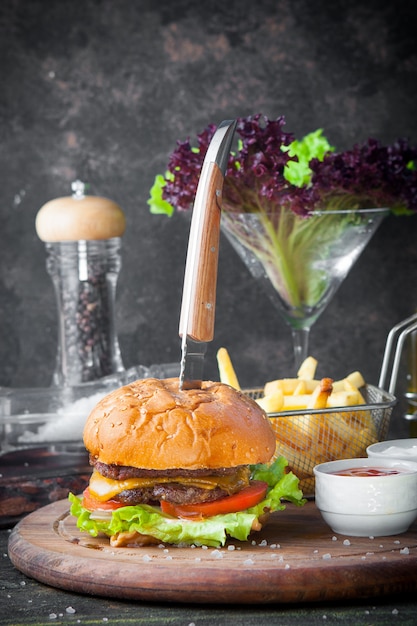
107,488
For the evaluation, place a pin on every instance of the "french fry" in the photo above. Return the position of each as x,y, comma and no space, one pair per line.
292,433
289,385
226,370
272,386
295,403
307,368
360,420
272,403
318,399
349,386
307,485
343,398
300,388
356,379
301,464
311,424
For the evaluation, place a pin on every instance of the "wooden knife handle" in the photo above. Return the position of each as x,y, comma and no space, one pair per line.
200,280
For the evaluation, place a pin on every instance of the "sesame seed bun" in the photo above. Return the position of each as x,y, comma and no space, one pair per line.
151,424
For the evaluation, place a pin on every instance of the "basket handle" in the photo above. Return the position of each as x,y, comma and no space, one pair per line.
409,325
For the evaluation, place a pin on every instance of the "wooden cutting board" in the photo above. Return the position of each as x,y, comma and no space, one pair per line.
296,558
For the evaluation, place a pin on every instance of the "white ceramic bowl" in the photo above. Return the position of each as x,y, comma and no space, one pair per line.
367,506
405,449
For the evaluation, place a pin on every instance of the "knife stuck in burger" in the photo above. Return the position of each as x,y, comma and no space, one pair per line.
182,460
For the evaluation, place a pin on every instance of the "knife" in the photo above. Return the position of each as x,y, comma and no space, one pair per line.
196,326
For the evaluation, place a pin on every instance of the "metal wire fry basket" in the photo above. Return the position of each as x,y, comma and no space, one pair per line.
309,437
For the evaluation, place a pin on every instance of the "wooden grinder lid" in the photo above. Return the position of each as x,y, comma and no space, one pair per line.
80,217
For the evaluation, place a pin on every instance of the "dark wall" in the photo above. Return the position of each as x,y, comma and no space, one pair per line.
101,90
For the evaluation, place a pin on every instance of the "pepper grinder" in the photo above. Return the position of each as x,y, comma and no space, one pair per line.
82,236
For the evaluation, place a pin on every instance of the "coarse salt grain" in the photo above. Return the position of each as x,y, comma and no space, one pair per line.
326,556
217,554
146,558
70,609
404,551
346,542
231,548
248,562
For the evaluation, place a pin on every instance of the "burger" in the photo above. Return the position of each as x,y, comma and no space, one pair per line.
184,467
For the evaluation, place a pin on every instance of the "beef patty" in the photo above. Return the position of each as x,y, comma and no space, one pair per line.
174,492
123,472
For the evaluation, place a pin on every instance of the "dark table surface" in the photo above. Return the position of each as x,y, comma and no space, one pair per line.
25,601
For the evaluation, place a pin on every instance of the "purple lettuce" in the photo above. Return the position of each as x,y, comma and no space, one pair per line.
368,175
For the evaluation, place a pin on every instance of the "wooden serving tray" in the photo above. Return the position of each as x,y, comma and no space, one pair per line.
296,558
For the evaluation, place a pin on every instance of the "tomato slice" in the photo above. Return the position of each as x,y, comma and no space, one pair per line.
249,496
92,504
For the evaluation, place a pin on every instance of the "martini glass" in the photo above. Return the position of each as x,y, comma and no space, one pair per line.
301,261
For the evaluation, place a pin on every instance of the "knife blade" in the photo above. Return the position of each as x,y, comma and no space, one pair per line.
196,326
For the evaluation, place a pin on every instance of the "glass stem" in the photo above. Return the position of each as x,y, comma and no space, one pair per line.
300,338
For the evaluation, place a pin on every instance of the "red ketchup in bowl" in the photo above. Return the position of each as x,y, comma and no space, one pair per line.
368,471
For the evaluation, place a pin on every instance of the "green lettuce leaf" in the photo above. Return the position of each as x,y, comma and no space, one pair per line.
212,531
157,205
312,146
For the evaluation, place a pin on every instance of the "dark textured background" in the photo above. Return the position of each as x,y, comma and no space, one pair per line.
102,89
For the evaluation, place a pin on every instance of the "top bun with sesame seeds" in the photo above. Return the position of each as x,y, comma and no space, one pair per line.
153,425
